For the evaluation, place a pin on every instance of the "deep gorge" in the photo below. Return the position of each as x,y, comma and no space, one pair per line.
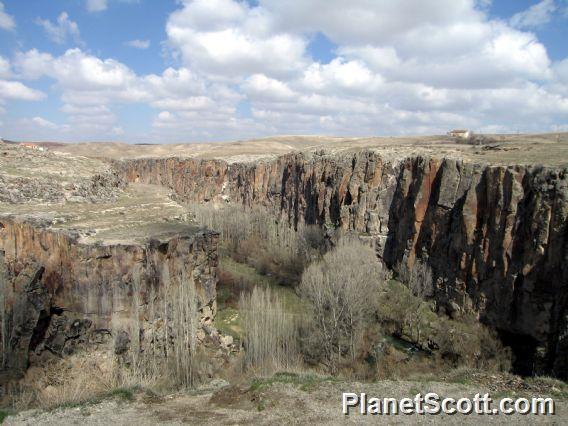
495,237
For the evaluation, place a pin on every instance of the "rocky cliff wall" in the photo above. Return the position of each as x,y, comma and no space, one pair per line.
495,237
58,292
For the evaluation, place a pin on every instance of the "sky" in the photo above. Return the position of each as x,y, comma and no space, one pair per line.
147,71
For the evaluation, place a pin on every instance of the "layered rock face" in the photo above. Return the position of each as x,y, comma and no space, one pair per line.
58,292
495,237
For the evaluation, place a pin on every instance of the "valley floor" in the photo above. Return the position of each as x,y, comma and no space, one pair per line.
285,399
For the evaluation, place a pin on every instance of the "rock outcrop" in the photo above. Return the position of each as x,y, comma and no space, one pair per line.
31,176
58,292
495,237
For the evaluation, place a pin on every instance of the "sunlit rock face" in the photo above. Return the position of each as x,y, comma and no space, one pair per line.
496,237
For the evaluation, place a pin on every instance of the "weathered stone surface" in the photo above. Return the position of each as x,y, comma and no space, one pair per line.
87,291
30,302
496,237
30,176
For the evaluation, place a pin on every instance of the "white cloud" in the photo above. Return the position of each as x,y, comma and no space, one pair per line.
60,31
368,21
4,67
341,75
42,122
165,116
190,103
6,21
17,90
261,87
75,70
96,5
405,67
229,39
138,44
535,16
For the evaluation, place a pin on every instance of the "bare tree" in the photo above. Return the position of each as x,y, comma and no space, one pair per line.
270,332
342,288
255,236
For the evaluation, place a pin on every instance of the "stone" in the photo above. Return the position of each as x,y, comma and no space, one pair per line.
227,341
121,342
31,304
494,236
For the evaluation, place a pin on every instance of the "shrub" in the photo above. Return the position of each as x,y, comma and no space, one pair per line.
419,278
255,237
468,343
463,342
404,314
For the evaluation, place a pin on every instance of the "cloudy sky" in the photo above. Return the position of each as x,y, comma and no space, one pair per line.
200,70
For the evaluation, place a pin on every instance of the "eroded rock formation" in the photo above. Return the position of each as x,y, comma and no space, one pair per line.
58,292
496,237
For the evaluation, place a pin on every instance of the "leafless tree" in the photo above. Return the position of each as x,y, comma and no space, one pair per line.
270,333
342,288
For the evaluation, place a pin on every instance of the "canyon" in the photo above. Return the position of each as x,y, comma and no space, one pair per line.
490,223
101,270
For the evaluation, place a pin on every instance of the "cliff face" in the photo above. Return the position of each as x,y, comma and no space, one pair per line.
58,292
495,237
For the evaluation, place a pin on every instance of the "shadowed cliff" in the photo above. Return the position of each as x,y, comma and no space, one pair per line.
496,237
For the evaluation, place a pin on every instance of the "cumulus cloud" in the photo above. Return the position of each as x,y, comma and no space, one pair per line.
90,86
6,21
229,39
365,21
138,44
261,87
404,67
96,5
62,30
75,70
17,90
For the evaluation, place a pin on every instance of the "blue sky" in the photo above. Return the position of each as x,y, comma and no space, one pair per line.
200,70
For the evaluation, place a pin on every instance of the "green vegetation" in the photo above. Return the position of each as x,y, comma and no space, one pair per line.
228,321
236,278
248,277
255,237
121,394
4,414
351,319
305,382
124,394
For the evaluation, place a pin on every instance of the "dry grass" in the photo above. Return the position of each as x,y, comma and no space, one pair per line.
80,379
548,149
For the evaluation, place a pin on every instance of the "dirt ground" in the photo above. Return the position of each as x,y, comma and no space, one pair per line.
549,149
277,403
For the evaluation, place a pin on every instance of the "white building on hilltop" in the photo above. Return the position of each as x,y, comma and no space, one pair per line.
459,133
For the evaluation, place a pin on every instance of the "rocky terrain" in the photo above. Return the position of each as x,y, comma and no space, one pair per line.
94,237
292,399
495,234
546,149
31,176
83,262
